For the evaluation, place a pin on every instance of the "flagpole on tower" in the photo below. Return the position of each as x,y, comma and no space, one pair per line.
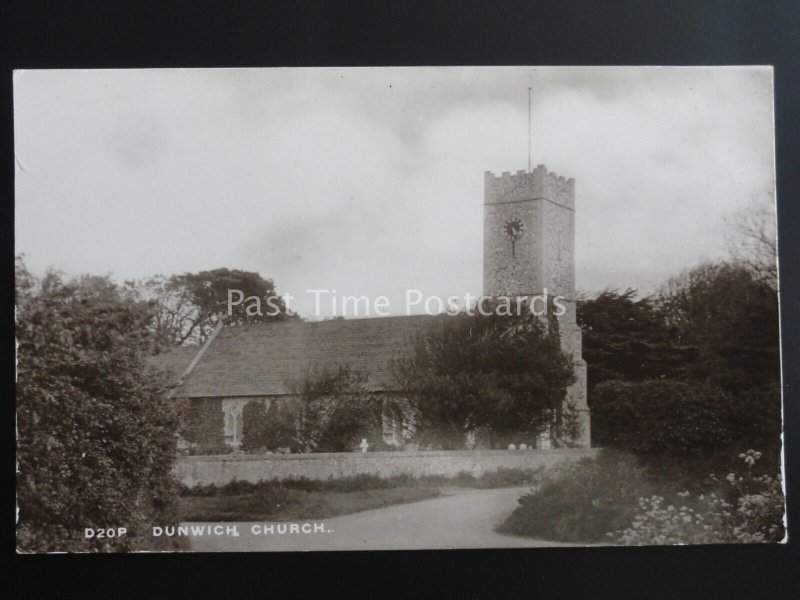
529,130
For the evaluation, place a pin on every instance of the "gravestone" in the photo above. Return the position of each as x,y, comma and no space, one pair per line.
543,441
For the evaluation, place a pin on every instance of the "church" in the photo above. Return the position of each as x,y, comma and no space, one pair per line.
529,248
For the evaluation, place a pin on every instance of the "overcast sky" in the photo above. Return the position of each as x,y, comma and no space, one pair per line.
370,181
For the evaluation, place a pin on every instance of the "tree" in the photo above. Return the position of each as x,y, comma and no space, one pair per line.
504,374
627,338
732,318
96,435
188,307
177,320
753,241
336,410
713,325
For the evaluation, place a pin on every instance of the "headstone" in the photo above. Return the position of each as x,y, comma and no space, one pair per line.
512,447
472,438
543,441
523,446
364,445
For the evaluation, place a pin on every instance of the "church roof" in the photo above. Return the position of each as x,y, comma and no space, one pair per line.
265,359
174,361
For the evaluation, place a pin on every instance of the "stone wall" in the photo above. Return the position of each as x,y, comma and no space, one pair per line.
222,469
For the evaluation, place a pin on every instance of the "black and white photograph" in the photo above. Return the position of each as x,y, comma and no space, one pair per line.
396,308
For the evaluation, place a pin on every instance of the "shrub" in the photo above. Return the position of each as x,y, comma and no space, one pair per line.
504,477
268,428
620,499
686,419
663,416
745,508
581,502
96,435
755,421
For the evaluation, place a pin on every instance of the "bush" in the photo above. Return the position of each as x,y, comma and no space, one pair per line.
744,509
581,502
686,419
618,498
268,428
503,477
755,421
663,416
96,435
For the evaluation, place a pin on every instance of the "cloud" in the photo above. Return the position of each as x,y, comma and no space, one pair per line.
371,180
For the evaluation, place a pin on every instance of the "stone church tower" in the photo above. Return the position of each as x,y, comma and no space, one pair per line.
529,247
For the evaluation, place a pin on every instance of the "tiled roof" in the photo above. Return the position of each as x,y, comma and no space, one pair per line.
174,361
267,358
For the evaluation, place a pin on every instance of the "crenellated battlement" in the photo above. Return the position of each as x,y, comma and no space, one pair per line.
539,183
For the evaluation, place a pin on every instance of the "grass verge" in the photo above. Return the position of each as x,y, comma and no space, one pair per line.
294,504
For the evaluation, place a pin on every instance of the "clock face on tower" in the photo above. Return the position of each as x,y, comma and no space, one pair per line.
513,229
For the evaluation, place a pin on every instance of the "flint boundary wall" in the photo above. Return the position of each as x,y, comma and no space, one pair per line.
221,469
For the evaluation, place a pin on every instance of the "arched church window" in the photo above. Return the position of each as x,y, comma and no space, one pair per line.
392,419
233,423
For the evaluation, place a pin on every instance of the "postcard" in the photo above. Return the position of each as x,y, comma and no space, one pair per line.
292,309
